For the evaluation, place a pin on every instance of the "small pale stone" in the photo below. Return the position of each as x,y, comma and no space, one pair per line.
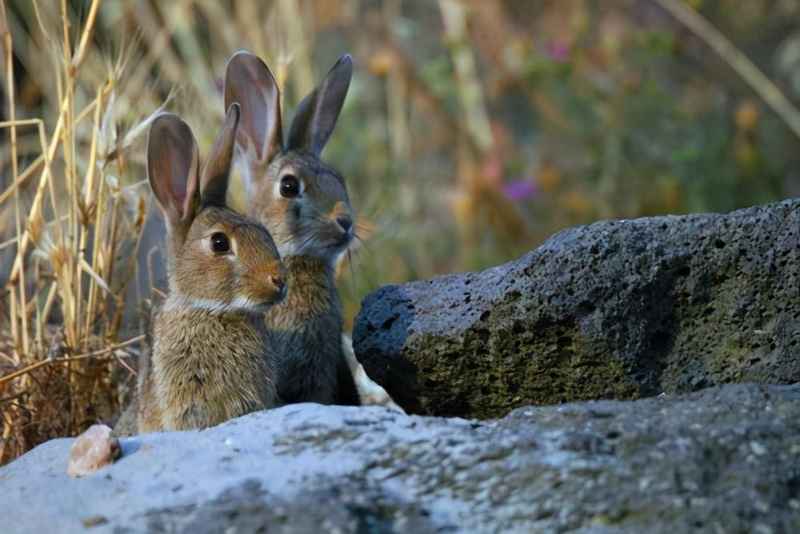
757,448
92,450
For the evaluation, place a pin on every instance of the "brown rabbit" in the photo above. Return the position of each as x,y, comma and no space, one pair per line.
303,202
210,354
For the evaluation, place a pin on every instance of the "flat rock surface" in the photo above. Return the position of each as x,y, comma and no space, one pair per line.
721,460
616,309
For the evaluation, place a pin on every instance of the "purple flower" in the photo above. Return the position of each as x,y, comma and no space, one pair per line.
558,52
519,190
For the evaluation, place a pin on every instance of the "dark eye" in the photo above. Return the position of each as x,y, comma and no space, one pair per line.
290,186
220,243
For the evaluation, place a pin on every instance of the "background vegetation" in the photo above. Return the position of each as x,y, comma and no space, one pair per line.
473,131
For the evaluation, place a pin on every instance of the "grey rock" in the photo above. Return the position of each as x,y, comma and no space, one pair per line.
721,460
617,309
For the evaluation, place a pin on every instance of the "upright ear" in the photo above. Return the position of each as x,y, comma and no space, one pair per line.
172,168
249,83
317,113
216,172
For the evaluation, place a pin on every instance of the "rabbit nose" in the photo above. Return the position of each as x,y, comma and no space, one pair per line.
278,281
345,222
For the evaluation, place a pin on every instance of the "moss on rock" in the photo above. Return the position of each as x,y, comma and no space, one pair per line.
616,309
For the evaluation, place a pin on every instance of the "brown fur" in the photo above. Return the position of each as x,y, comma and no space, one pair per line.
204,371
210,356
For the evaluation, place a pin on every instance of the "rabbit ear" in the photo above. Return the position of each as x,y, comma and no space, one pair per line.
216,172
249,83
172,168
317,113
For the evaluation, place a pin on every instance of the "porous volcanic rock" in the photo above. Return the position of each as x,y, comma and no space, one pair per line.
617,309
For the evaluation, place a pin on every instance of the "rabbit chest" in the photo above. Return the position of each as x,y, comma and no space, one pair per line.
305,338
208,368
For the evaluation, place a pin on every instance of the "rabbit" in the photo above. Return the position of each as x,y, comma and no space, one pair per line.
303,202
210,359
309,228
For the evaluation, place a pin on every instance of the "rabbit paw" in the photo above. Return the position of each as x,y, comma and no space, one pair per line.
370,393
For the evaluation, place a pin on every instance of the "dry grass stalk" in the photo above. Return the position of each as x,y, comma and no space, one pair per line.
55,381
766,89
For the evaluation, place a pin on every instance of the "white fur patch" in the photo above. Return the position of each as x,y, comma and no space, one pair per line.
369,391
242,159
286,249
243,303
181,302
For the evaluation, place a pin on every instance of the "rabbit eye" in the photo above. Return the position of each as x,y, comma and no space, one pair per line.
290,186
220,243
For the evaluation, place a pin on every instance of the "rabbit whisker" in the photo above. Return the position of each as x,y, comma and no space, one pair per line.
352,271
363,242
308,239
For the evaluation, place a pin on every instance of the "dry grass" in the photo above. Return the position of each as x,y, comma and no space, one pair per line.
72,222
